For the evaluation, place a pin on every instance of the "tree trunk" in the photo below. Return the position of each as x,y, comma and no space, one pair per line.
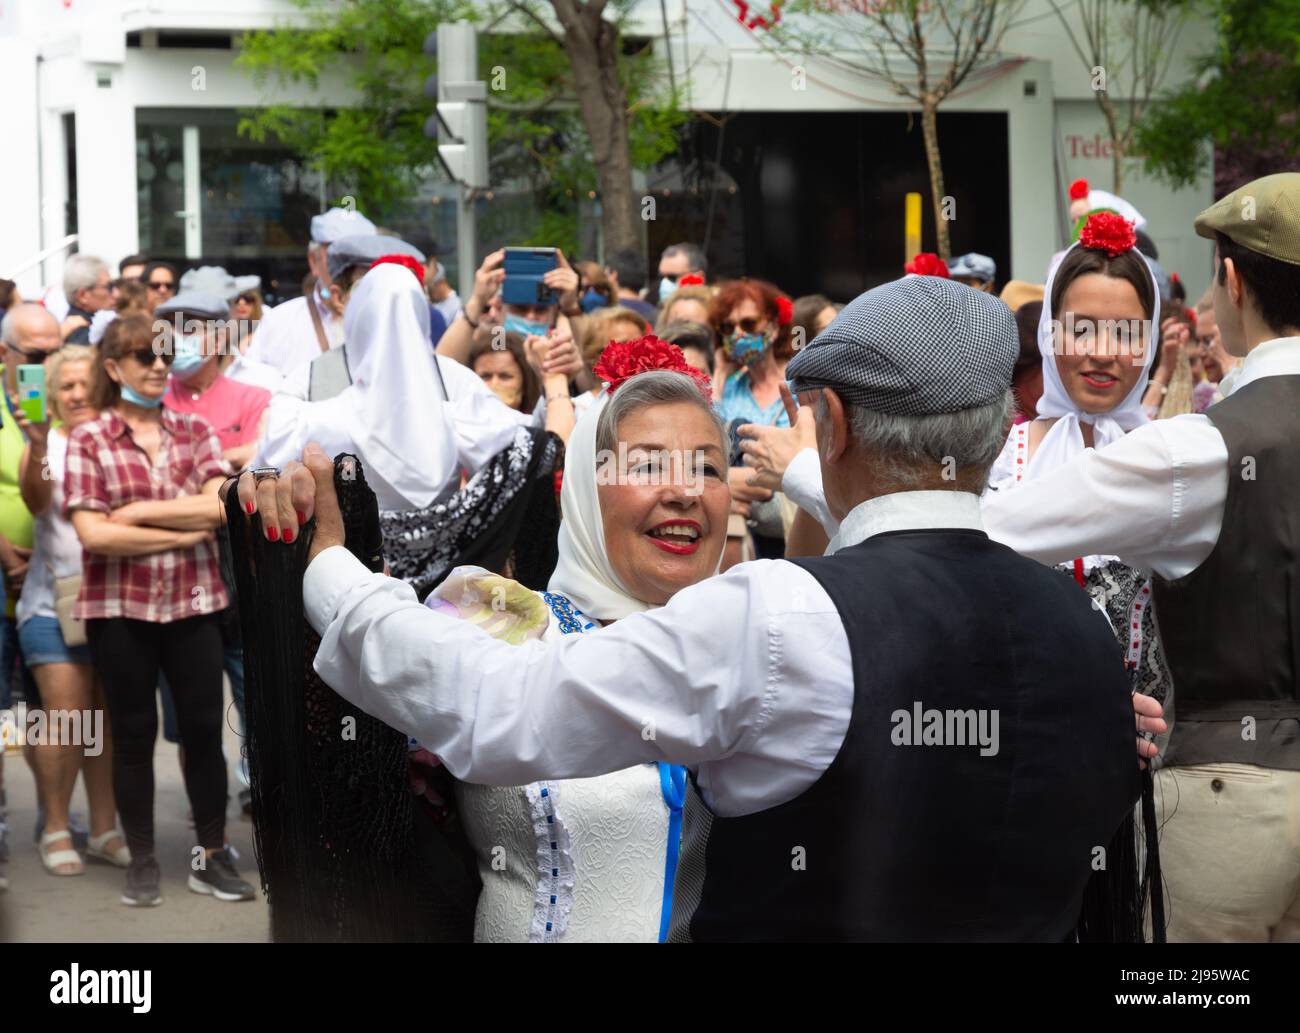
930,131
1116,144
593,48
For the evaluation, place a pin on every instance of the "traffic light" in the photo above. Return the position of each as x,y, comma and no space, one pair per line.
460,104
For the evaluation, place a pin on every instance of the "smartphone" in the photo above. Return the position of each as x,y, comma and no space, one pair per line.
525,267
31,392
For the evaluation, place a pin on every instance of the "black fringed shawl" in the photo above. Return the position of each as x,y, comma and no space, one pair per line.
345,853
505,516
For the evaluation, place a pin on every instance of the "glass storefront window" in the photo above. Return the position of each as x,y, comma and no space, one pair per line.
248,204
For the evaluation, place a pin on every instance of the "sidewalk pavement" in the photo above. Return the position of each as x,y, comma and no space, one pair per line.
40,907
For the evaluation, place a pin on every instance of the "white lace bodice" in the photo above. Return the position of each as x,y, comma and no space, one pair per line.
574,861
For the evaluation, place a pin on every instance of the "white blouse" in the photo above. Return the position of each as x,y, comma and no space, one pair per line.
56,549
577,860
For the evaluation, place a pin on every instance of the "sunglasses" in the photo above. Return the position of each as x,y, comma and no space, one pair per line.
247,299
146,356
749,326
162,285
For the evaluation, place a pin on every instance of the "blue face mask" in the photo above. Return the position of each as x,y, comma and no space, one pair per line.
129,394
667,288
189,357
593,300
746,349
525,327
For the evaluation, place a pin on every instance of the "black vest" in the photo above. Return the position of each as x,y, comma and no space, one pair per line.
1231,628
936,842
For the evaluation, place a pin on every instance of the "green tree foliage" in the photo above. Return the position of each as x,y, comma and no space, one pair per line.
1244,99
377,145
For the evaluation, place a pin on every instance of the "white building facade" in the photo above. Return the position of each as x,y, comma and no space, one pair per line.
123,129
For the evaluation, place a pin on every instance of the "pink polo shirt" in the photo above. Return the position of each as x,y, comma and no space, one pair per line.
233,409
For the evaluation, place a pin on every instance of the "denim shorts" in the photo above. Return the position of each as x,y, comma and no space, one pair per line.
41,640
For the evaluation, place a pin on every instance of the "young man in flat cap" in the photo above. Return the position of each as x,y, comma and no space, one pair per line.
296,331
1211,504
876,754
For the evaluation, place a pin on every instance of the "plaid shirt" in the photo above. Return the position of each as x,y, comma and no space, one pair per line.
106,469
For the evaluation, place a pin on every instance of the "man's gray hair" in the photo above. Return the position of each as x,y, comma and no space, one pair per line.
693,252
9,326
81,272
910,450
655,387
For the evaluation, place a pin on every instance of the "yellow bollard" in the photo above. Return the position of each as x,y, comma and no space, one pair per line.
911,227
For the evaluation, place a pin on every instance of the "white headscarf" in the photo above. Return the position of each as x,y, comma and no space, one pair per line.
1065,440
394,415
584,574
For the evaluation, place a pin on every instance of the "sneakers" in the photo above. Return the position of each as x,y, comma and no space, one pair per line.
142,880
220,879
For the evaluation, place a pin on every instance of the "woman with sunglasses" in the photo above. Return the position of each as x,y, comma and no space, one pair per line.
160,279
141,486
752,319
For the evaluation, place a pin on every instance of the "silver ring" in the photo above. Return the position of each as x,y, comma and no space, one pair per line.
263,472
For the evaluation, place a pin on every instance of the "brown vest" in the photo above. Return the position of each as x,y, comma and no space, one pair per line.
1231,628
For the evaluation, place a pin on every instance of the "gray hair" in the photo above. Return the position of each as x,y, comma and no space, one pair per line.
909,450
693,253
9,326
654,387
81,273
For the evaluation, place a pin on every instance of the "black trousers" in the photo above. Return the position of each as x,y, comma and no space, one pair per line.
128,655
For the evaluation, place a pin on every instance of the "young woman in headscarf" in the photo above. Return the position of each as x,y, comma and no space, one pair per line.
1097,336
419,423
1097,340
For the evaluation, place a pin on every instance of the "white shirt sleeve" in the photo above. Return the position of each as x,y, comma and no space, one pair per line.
1154,498
802,484
688,682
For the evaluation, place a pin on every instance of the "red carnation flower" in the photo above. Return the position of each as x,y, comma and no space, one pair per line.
1106,231
927,264
784,310
1079,190
620,361
691,280
408,261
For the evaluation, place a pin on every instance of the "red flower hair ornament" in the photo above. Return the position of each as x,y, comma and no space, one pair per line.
1106,231
784,310
691,280
927,264
620,362
408,261
1079,190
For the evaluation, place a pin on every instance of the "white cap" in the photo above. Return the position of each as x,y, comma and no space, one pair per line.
247,283
1105,199
339,222
209,279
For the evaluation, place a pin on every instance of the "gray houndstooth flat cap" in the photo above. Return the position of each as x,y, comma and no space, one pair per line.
918,346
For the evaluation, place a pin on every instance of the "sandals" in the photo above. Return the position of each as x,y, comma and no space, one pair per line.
53,859
95,849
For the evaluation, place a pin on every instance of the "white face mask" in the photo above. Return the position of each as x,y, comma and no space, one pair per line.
667,288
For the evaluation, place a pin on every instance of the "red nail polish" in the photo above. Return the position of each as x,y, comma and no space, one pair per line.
302,518
273,533
250,507
288,536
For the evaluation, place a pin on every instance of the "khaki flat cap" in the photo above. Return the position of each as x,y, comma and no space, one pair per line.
1262,216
